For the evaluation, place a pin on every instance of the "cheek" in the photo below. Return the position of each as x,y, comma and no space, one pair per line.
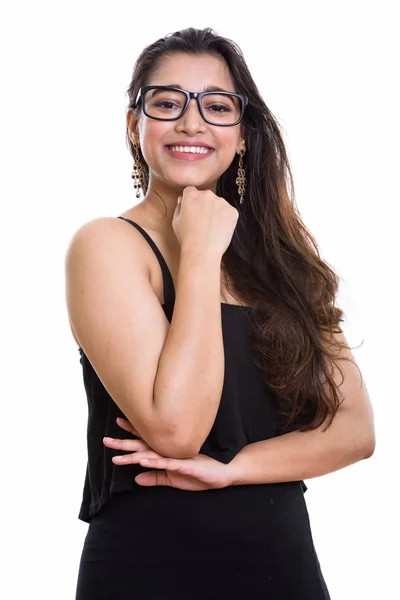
227,150
152,136
226,141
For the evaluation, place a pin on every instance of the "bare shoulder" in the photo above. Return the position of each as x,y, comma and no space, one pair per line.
107,258
109,234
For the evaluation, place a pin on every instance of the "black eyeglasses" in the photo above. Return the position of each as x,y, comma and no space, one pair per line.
165,103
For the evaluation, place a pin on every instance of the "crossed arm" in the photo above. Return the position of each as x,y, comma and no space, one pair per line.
302,455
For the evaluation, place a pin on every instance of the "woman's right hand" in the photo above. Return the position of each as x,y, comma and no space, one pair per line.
203,221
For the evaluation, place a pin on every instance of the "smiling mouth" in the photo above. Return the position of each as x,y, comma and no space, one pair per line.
191,149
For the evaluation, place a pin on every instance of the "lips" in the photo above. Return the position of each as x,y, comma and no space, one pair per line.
188,153
186,143
190,149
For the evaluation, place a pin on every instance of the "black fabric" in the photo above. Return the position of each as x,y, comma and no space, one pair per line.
250,541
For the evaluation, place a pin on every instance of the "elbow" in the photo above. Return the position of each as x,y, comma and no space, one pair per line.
186,447
364,435
183,452
173,442
167,440
370,439
367,444
183,448
174,447
369,447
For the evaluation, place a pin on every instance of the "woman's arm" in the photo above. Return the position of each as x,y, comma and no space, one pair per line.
166,378
303,455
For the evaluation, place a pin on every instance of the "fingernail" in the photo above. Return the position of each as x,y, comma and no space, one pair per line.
118,457
108,439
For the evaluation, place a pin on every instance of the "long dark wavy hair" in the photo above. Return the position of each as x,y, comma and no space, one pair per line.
273,262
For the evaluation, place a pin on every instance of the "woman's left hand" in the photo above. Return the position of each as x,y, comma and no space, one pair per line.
193,474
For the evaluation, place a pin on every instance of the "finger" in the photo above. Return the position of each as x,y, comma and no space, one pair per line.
124,423
134,458
189,188
151,478
130,445
127,425
171,464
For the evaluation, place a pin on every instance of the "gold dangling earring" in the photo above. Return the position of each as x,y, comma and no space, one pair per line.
241,179
137,173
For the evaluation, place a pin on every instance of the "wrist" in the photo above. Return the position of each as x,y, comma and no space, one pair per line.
195,255
232,473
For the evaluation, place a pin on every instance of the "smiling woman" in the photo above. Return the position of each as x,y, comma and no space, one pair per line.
174,116
210,342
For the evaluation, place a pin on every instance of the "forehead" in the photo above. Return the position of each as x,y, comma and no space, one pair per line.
193,72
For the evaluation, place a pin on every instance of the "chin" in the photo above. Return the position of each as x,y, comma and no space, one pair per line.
198,182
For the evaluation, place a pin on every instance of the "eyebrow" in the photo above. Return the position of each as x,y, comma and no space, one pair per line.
208,88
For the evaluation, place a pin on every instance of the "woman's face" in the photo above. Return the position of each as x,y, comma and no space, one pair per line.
193,73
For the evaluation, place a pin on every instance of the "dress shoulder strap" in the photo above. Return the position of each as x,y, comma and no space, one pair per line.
169,291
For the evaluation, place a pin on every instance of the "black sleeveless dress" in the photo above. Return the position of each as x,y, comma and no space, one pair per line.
245,542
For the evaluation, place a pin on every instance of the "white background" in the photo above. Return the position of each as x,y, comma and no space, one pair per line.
328,73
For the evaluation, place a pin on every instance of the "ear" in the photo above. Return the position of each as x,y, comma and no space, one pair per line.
241,145
132,125
242,141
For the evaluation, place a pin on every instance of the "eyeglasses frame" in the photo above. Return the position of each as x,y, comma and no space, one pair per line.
189,95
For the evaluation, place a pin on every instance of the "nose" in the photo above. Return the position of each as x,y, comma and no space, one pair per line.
191,121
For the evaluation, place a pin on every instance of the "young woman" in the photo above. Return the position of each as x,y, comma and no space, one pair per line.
211,349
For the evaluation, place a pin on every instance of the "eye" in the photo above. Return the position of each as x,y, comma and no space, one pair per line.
218,108
164,104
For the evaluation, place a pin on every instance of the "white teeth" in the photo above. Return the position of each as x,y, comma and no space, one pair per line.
195,149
